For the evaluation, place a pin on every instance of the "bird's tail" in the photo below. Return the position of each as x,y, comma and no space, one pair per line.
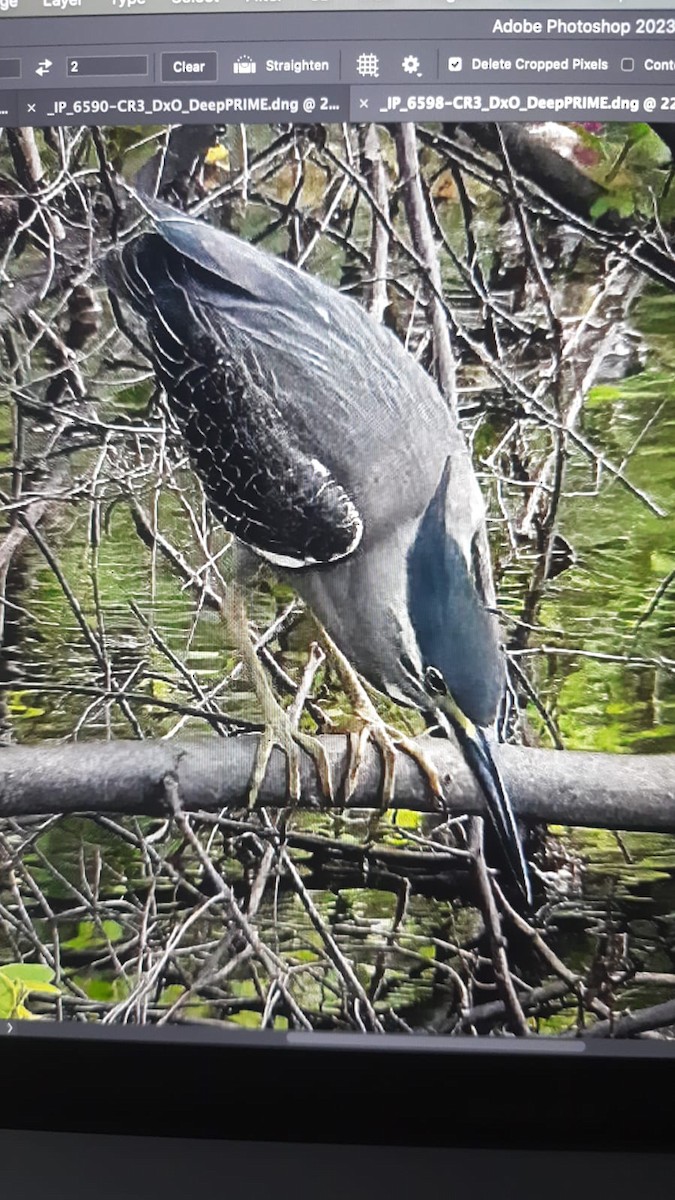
477,752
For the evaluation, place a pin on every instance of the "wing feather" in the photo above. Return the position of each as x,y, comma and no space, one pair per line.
274,494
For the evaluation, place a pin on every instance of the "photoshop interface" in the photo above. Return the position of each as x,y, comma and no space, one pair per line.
337,674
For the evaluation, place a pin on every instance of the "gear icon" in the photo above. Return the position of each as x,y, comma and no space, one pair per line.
411,64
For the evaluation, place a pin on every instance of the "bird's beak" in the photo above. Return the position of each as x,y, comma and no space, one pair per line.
217,155
450,709
478,755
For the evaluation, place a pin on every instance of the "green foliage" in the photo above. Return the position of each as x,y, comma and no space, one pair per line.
104,990
19,981
20,710
403,818
639,131
91,935
247,1019
134,399
604,393
621,201
131,146
627,160
557,1023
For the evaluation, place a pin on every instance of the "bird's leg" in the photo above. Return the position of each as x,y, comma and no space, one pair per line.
280,727
387,739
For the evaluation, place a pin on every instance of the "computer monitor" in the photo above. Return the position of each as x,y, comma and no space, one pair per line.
337,680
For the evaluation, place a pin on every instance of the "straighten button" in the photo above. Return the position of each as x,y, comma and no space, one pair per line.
189,67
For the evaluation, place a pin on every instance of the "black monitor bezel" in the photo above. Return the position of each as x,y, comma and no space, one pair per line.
381,1090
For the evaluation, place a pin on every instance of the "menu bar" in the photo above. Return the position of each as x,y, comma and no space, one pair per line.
328,27
265,8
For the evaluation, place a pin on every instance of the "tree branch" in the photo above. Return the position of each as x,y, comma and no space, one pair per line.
595,790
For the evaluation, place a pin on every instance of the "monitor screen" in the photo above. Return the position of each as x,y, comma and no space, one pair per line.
337,582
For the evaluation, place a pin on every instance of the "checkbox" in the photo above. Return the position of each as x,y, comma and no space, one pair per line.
454,62
627,64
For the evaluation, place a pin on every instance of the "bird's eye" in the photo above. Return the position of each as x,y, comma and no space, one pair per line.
435,682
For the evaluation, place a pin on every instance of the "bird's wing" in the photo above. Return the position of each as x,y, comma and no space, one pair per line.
268,489
243,268
352,395
268,303
288,322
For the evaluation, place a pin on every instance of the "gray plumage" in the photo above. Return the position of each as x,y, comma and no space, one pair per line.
364,496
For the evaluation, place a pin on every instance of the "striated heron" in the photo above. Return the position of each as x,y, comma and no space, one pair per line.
327,450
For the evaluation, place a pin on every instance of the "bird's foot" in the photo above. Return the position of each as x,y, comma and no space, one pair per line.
390,742
280,726
372,727
280,730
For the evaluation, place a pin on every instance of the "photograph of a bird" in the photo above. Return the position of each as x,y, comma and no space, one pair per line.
329,452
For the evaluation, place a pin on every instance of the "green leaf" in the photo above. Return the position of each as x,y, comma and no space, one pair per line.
19,709
244,989
9,996
405,819
29,974
638,131
170,994
24,1014
90,935
621,202
248,1020
17,982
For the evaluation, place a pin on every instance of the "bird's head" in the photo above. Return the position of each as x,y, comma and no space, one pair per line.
443,704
